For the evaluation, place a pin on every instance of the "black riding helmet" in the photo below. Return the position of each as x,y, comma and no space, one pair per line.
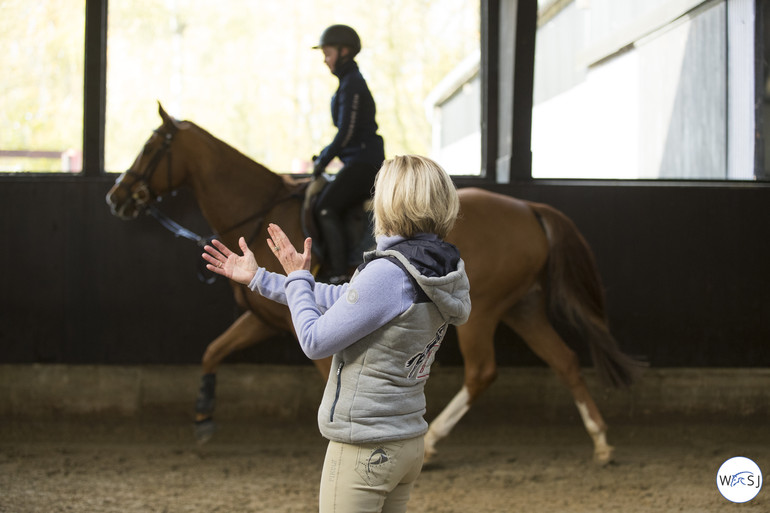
341,35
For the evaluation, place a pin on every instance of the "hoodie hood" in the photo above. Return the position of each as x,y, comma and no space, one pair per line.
436,267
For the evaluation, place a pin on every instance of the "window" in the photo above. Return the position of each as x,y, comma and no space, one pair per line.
41,100
245,71
661,89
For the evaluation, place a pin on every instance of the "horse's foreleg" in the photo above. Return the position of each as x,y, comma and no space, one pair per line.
477,347
532,324
244,332
446,420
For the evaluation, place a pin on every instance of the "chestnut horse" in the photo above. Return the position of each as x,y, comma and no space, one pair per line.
526,262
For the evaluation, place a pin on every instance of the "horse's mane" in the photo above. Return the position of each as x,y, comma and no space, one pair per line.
224,147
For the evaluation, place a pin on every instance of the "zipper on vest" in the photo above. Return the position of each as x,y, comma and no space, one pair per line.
337,394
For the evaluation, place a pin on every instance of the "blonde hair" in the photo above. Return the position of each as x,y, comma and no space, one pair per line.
413,194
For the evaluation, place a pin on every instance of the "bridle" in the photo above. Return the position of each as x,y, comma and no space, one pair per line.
142,194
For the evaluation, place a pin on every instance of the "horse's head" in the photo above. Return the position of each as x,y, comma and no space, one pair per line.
153,173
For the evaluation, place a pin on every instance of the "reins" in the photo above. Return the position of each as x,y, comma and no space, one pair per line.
177,229
180,231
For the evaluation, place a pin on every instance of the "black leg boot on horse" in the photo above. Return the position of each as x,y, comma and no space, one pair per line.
204,408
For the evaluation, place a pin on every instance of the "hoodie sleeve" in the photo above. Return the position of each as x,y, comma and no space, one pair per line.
379,293
273,286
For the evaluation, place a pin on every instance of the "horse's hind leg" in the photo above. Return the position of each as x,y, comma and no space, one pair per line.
529,320
476,339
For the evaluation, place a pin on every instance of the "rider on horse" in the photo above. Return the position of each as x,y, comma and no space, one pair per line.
356,144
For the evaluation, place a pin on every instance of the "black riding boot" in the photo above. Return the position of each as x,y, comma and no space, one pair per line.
334,242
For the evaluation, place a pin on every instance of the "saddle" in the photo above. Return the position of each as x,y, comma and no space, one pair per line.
358,221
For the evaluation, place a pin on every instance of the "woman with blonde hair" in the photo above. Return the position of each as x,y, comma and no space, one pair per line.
383,330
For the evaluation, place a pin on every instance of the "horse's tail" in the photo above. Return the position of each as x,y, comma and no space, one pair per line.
574,295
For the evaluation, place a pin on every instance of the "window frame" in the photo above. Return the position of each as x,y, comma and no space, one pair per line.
515,167
95,88
620,40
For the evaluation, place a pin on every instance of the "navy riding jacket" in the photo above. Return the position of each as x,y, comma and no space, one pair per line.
353,113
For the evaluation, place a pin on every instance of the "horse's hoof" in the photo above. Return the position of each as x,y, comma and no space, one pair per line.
604,455
430,452
204,429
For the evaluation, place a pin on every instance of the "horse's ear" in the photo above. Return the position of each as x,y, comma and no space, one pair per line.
167,120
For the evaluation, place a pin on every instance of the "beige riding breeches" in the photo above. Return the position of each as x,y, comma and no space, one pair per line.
370,478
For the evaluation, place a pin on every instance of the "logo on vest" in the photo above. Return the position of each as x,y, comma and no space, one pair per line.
421,362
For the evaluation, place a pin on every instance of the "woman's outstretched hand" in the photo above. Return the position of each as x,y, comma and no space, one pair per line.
283,250
223,261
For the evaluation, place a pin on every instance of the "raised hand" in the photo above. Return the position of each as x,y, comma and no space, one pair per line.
283,250
223,261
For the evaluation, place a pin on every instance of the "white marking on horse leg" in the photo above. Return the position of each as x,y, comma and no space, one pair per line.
602,450
446,420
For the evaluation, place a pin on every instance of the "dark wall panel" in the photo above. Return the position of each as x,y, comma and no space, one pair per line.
685,268
82,286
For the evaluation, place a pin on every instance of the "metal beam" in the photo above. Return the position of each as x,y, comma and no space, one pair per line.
95,90
523,79
490,77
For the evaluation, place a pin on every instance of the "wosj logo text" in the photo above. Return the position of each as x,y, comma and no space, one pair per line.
739,479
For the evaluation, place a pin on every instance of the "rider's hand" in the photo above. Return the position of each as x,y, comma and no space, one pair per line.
283,250
223,261
317,169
